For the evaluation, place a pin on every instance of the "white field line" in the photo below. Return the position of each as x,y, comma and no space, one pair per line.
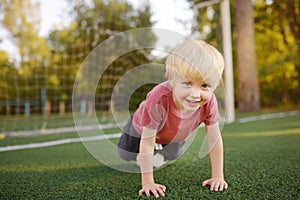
109,136
60,130
268,116
59,142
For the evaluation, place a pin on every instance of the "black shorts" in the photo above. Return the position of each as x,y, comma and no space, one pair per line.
129,145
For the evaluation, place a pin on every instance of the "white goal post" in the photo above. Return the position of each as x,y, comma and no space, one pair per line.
227,51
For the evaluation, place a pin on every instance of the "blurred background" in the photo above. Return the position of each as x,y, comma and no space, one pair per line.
44,42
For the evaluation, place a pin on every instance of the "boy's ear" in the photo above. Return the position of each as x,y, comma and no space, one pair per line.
168,75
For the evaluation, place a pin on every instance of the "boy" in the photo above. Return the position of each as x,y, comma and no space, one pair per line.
173,110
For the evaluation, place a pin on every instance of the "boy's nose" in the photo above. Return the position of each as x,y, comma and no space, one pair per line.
196,93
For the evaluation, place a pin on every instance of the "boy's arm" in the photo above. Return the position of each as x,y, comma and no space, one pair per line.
215,147
145,160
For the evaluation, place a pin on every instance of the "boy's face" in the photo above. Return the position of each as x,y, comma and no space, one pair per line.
189,95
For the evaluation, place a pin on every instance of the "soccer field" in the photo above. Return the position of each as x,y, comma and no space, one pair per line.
261,162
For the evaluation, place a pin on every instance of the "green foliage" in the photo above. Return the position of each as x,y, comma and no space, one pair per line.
93,23
21,20
53,62
276,48
8,72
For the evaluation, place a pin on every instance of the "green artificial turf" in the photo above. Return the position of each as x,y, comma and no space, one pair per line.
261,162
21,123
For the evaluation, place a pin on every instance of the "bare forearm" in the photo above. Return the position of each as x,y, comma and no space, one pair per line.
146,155
149,187
146,165
216,159
215,145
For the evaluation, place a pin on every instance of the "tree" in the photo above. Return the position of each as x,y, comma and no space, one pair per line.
93,22
21,19
276,45
208,25
289,22
248,87
8,72
276,51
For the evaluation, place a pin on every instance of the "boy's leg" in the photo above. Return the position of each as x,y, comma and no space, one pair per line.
172,151
129,143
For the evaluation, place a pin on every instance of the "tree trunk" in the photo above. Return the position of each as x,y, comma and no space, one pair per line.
298,78
248,87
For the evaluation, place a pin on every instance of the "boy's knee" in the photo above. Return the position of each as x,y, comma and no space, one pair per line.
126,155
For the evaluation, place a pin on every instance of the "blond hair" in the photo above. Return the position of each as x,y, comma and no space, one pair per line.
196,60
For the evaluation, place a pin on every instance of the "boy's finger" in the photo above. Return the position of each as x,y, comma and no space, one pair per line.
217,185
147,192
163,188
144,192
154,192
161,192
141,192
221,187
212,185
226,185
204,183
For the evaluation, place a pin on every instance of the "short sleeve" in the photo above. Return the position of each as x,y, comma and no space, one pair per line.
152,112
151,115
212,111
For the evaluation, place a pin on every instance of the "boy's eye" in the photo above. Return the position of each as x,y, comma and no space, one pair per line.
205,86
187,83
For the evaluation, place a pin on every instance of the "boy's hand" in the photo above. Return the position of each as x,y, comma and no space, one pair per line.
156,189
216,183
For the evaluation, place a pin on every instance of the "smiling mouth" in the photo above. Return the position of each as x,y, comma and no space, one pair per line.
193,103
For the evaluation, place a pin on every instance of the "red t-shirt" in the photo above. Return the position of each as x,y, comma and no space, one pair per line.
159,112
